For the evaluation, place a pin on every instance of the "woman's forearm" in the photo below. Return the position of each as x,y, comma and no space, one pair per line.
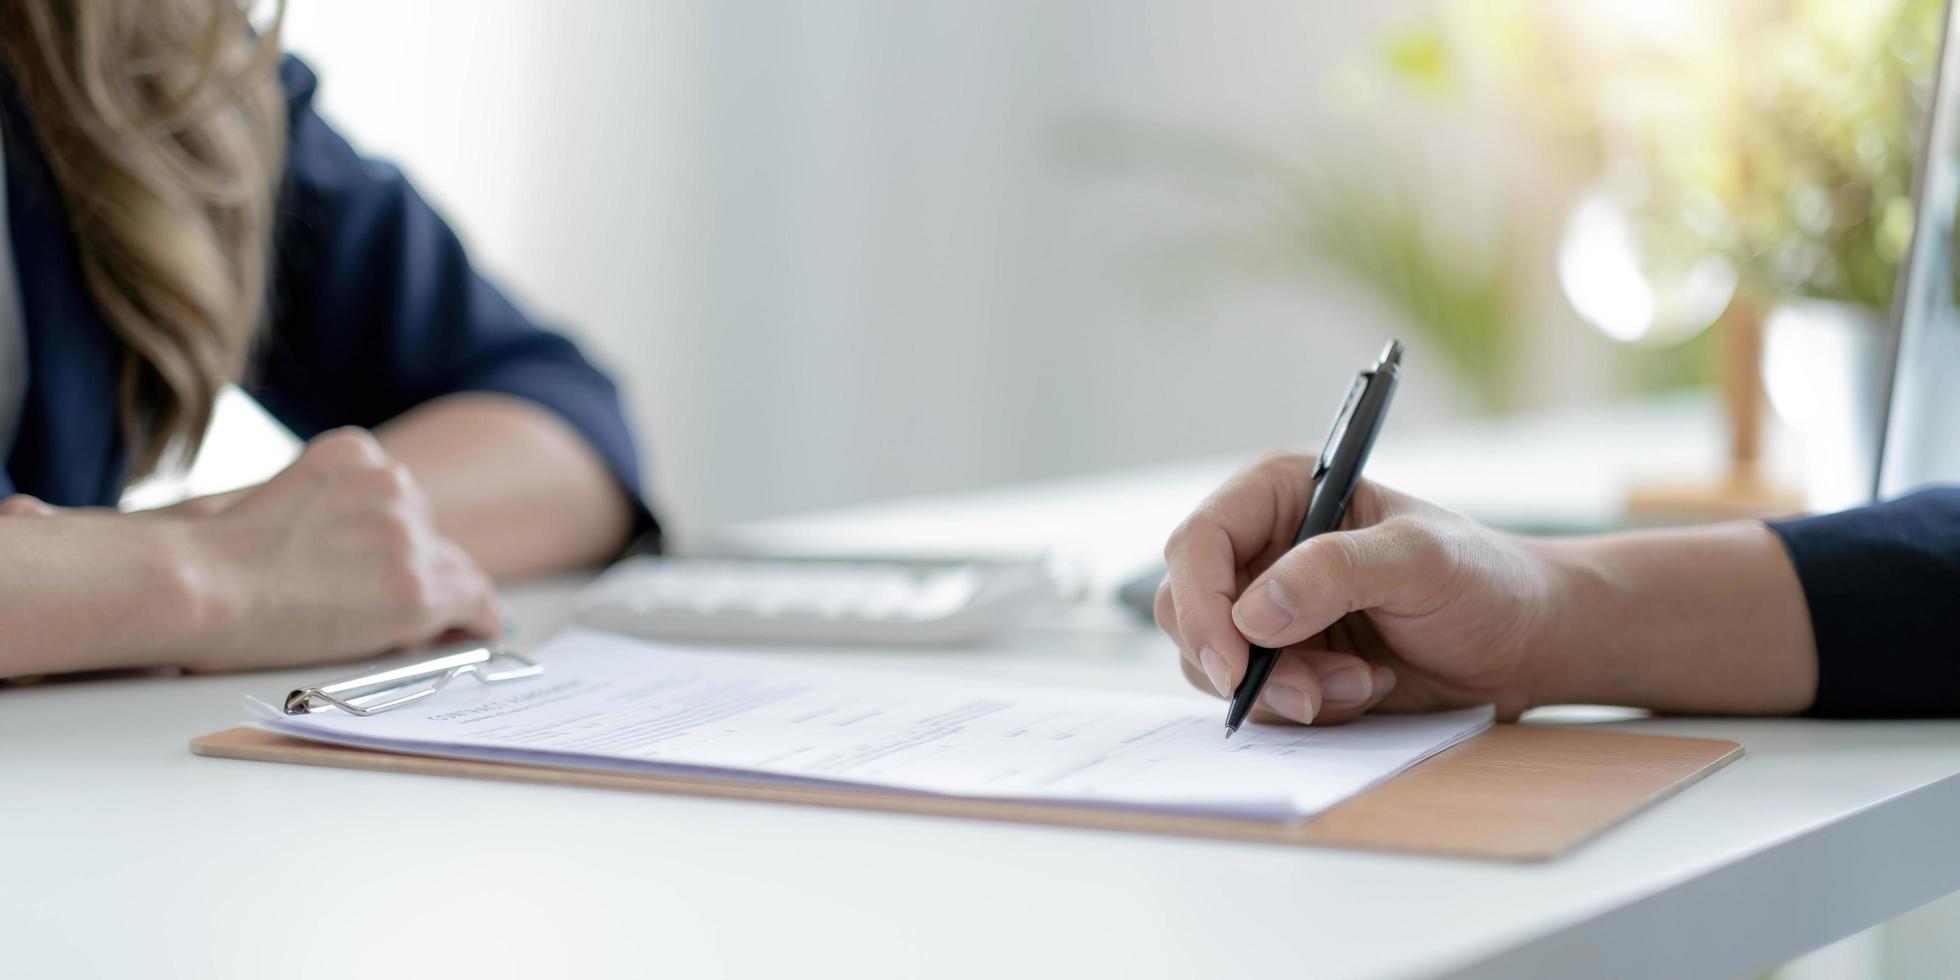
89,591
1692,620
511,483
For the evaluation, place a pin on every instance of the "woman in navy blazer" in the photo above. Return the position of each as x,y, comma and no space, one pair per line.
451,439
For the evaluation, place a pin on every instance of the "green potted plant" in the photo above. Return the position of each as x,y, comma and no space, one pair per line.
1754,163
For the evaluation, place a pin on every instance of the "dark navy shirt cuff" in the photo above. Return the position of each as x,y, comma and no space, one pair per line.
1882,583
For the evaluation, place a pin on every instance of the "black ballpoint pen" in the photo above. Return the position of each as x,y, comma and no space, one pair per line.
1334,475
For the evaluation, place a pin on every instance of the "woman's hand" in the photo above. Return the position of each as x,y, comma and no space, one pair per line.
334,558
1410,607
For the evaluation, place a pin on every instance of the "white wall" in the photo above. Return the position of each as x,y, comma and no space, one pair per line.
836,251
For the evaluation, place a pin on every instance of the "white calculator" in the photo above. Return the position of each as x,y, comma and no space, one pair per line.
813,600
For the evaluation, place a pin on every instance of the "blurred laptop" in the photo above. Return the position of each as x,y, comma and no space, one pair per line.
1919,443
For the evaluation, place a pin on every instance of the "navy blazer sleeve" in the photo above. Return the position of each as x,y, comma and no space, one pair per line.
1883,586
375,309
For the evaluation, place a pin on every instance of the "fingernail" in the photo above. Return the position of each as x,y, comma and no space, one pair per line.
1264,611
1350,685
1289,701
1384,680
1214,664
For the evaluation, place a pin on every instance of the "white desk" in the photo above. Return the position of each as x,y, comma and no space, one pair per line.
127,856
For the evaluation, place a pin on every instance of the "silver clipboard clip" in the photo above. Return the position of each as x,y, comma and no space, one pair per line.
358,695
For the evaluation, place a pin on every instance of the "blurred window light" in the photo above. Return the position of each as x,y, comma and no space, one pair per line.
1670,23
1603,276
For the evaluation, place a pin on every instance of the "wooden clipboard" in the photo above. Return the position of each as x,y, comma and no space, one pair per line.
1513,793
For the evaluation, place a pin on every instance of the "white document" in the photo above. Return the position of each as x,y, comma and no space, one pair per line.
611,702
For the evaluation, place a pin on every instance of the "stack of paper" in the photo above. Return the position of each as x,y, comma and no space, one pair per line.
613,703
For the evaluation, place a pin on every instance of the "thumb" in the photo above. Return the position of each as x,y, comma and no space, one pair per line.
1391,565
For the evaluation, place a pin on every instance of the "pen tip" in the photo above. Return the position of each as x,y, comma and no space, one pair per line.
1229,730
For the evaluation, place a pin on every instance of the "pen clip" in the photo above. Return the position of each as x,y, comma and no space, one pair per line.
1341,421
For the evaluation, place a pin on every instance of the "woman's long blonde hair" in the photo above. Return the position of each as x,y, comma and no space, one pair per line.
164,127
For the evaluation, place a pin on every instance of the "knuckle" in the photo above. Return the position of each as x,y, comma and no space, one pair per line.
1369,504
1187,533
202,506
343,450
399,477
1273,458
1179,537
363,442
395,533
389,482
1278,464
1164,609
